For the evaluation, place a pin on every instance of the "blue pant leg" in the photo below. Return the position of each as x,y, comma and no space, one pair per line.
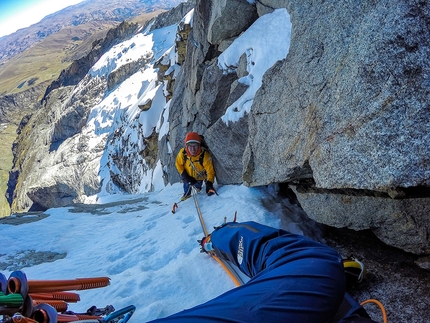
198,185
293,279
304,291
187,188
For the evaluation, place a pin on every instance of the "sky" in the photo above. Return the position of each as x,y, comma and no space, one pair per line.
17,14
150,254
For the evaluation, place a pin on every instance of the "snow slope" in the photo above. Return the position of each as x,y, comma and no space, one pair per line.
150,254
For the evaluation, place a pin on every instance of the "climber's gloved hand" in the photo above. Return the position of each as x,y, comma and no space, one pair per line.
188,179
206,244
210,188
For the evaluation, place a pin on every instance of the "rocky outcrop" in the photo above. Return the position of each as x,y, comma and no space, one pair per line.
344,118
172,16
394,221
121,74
14,106
350,109
71,170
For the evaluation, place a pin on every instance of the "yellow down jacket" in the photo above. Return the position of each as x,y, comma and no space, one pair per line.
194,168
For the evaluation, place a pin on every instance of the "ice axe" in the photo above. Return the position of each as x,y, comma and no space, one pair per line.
175,205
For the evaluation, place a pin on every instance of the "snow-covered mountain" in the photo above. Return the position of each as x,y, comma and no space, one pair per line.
97,123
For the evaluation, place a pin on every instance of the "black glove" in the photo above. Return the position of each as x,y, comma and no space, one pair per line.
210,188
187,178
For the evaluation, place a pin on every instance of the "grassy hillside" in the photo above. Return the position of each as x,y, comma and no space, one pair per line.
45,60
7,137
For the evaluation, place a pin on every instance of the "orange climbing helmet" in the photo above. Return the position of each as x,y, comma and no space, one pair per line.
192,138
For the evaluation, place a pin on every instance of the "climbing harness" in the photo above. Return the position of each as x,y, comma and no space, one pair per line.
201,173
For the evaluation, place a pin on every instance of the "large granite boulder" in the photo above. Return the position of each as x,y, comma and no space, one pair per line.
348,108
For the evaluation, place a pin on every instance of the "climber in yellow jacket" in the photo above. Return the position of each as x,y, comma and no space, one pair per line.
194,163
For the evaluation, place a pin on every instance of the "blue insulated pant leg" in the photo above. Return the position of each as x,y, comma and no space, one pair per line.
293,279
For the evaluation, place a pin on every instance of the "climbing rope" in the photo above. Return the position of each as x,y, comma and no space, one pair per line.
226,266
384,314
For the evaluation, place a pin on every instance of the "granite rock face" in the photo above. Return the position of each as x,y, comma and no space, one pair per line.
352,114
203,92
344,117
351,98
54,172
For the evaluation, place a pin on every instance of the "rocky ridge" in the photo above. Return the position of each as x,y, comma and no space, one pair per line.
54,164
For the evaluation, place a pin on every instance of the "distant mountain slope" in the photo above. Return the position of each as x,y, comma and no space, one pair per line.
80,14
49,46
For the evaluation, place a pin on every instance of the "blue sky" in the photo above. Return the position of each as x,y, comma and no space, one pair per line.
15,14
